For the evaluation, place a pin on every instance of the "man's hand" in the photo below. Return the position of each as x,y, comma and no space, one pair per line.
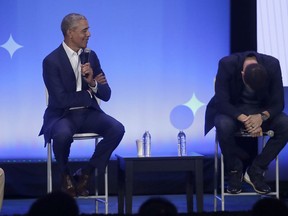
87,73
253,125
101,79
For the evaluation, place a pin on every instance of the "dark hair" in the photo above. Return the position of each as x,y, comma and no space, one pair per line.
70,21
269,206
157,206
255,76
54,204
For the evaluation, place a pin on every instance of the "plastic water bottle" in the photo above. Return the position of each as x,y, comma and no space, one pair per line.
147,144
181,144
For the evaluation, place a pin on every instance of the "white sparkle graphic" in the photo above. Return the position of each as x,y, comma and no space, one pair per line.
11,46
194,104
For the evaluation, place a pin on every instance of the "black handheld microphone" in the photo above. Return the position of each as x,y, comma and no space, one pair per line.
84,56
269,133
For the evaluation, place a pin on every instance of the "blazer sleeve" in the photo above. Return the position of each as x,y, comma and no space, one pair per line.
104,90
227,87
275,98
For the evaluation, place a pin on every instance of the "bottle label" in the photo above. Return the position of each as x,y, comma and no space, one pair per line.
147,144
181,144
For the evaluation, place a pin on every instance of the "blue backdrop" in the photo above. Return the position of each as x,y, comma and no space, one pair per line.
160,58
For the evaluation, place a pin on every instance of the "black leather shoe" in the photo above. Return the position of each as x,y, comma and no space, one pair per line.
234,182
82,181
255,177
67,185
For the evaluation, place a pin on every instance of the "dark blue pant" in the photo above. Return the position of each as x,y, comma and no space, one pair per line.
233,154
86,121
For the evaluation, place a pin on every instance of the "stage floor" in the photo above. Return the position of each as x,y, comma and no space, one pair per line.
242,203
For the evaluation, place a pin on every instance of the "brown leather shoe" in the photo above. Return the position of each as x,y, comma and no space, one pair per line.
82,181
67,185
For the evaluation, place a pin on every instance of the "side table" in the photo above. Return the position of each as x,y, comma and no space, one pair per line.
129,165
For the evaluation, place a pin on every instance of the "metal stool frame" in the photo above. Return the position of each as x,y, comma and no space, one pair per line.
223,193
98,198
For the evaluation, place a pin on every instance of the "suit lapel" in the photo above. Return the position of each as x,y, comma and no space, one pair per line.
67,74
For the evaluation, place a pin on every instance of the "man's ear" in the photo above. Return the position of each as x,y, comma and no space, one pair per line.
69,33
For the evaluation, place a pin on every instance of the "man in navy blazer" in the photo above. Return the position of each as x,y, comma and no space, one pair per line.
73,84
248,96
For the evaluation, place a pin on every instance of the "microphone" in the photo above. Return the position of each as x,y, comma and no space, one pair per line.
269,133
84,56
244,133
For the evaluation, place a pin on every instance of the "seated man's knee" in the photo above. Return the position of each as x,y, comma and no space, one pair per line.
224,123
118,129
121,129
63,138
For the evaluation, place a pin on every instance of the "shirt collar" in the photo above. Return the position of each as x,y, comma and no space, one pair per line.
70,53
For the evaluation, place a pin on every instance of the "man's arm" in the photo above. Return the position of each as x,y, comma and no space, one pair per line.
226,87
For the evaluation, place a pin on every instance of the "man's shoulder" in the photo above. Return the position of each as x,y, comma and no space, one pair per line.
268,58
234,60
234,57
54,53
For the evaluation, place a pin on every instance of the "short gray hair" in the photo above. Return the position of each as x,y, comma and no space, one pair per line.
70,21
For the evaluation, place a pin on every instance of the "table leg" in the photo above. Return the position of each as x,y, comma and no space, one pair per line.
121,179
128,187
199,184
189,192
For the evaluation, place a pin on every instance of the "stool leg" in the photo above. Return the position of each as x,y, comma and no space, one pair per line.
104,198
49,168
106,190
96,192
276,169
215,174
277,177
222,183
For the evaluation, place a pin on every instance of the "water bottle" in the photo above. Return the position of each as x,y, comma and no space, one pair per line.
147,144
181,143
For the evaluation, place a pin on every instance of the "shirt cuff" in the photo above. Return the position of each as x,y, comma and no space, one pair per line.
94,89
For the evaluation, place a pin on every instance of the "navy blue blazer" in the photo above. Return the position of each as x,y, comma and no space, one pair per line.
60,81
229,86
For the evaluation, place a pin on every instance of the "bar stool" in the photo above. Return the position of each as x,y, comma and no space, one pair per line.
81,136
223,193
97,197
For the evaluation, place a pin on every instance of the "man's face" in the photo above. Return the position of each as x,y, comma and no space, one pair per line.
79,36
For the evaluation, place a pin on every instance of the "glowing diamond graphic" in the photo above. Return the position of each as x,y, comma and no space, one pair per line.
194,104
11,46
182,116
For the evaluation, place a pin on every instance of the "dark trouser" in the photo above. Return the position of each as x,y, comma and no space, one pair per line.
86,121
233,154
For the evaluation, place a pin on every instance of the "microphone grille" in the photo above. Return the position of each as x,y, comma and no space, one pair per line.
270,133
87,50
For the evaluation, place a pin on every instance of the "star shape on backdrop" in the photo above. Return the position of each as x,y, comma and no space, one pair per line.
194,104
182,116
11,46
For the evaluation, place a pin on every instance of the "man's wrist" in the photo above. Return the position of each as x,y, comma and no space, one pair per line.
264,117
94,88
93,84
